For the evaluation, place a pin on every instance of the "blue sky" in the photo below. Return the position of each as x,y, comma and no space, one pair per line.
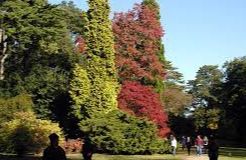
197,32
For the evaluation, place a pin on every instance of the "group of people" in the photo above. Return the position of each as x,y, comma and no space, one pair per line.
55,152
202,145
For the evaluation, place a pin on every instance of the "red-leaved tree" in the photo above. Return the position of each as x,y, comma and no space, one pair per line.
137,34
137,43
142,101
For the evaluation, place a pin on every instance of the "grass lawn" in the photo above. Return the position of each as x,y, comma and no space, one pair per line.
132,157
226,153
99,157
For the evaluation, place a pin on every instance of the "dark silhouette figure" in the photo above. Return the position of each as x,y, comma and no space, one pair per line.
188,144
87,150
54,151
213,149
183,142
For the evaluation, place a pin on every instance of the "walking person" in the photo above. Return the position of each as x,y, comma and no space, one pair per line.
205,141
88,148
188,144
213,149
54,151
173,144
183,142
199,145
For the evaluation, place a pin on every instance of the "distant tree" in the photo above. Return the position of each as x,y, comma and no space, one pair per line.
175,97
205,90
233,98
177,101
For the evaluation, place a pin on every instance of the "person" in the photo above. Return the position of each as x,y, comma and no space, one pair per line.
173,144
183,142
87,150
213,149
188,144
205,141
199,145
54,151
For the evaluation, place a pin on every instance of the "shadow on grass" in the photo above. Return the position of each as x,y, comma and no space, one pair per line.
14,157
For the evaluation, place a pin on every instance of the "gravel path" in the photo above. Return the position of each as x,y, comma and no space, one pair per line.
195,157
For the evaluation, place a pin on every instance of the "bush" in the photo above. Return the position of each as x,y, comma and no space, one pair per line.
26,134
120,133
73,145
9,106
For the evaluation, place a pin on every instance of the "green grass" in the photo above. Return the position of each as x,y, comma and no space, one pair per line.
235,154
231,158
136,157
98,157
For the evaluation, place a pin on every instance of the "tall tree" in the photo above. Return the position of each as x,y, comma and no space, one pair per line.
233,98
137,37
100,59
39,49
205,90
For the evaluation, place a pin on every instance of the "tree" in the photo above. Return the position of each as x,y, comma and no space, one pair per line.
39,53
138,60
205,90
100,56
142,101
233,98
137,35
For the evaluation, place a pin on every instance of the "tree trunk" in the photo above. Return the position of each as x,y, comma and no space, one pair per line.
3,55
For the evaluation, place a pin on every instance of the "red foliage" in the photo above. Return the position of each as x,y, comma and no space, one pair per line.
80,44
73,145
137,34
142,101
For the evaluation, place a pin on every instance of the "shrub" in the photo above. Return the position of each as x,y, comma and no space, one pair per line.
73,145
26,134
9,106
120,133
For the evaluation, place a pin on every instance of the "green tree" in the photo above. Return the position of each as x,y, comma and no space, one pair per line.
40,53
233,98
100,59
205,90
177,101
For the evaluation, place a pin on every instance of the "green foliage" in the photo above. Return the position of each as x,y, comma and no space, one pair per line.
9,106
46,84
74,17
233,96
40,53
79,90
26,134
100,65
206,89
119,133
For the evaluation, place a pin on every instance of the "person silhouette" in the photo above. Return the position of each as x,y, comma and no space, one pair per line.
54,151
88,148
213,149
188,144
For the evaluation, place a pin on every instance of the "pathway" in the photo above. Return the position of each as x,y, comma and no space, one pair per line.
195,157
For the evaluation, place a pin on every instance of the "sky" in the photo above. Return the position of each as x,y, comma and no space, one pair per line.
197,32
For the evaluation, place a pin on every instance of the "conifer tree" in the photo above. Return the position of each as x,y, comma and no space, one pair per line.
100,56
